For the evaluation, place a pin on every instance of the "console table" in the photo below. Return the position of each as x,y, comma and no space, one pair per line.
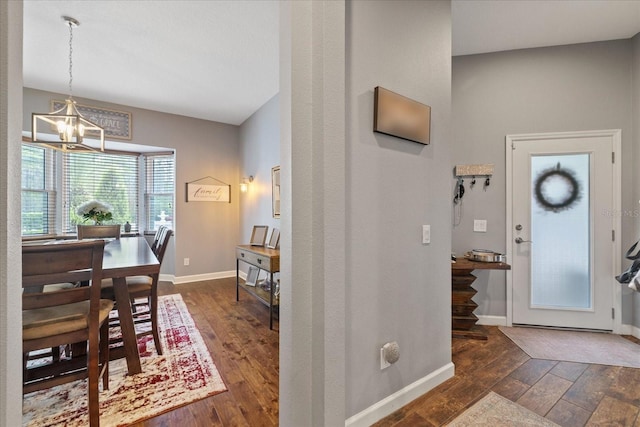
265,259
463,321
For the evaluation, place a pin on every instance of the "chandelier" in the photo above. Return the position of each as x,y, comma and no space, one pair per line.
69,124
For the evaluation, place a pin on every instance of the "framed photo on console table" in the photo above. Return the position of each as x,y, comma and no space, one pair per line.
274,239
259,235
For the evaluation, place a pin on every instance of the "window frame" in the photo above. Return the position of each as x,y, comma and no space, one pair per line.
55,175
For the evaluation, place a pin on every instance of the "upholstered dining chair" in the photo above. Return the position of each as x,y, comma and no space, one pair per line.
145,288
65,316
98,231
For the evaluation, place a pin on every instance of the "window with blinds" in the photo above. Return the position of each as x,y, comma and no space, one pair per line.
140,187
38,191
109,178
159,190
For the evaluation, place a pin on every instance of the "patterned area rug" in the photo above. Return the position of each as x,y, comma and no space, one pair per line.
494,410
183,374
571,346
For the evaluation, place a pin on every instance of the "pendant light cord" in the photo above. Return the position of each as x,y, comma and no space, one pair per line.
70,59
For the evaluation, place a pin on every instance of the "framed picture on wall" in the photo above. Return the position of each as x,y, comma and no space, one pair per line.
399,116
275,191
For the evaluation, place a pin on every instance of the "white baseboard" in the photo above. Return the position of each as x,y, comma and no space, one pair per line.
624,330
502,321
197,277
391,403
492,320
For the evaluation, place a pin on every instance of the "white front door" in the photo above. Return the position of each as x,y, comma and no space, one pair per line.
561,228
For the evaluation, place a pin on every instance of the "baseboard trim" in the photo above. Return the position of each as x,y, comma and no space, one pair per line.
492,320
502,321
198,277
391,403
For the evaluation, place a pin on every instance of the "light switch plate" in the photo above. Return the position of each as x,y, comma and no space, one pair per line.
480,225
426,234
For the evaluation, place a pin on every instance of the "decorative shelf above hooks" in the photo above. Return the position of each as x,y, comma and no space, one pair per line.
474,170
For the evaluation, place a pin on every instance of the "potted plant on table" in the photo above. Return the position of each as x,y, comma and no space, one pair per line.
96,211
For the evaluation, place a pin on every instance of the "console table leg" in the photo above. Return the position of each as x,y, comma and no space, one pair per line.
237,280
272,288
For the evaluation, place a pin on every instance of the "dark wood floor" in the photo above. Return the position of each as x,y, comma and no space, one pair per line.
246,354
244,350
569,394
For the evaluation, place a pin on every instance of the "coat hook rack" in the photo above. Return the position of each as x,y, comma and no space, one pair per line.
485,170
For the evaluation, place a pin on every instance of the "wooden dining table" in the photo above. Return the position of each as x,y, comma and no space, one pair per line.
124,257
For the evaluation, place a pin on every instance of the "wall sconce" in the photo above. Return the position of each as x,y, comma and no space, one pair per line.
244,185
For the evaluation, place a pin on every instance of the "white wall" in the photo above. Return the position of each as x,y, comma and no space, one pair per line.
397,288
564,88
205,232
10,262
259,152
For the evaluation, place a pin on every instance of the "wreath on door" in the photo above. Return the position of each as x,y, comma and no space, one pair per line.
566,189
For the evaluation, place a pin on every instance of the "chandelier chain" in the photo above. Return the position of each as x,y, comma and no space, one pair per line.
70,58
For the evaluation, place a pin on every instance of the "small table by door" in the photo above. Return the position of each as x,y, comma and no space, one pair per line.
265,259
463,321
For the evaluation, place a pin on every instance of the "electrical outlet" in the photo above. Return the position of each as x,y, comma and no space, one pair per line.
426,234
186,261
480,225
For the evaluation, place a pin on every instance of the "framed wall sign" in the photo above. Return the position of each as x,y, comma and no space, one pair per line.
199,192
399,116
116,124
275,191
208,193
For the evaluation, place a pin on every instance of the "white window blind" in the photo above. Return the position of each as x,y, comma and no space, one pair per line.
38,191
109,178
159,190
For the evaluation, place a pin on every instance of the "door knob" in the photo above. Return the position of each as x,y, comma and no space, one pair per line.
519,240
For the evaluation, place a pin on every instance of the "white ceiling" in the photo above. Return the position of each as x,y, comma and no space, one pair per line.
218,60
497,25
215,60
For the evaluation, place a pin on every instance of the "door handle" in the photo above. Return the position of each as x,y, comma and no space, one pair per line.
519,240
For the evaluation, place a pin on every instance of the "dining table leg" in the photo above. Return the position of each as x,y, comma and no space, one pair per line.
129,338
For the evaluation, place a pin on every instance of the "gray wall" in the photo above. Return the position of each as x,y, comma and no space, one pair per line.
565,88
636,158
397,288
259,152
205,232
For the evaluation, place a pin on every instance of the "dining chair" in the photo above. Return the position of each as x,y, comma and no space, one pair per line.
98,231
56,318
144,288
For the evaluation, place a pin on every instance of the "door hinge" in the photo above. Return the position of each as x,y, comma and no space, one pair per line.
613,235
613,313
613,157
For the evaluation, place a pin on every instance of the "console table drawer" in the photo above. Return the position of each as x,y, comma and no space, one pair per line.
252,258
